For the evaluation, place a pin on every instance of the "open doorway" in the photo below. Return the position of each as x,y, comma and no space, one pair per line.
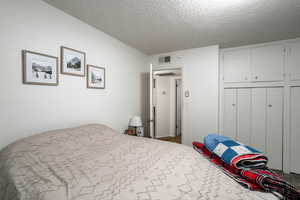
167,104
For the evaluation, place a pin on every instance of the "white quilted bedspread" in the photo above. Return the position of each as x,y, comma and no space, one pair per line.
93,162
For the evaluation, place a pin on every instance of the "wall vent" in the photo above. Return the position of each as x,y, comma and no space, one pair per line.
164,60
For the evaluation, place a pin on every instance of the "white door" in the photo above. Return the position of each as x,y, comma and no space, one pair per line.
230,110
151,103
258,119
295,127
178,106
294,61
268,63
162,107
237,65
244,115
274,127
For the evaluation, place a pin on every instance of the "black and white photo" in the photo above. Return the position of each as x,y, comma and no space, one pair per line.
39,69
96,77
72,62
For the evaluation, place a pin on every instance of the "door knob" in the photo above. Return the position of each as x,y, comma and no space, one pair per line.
187,93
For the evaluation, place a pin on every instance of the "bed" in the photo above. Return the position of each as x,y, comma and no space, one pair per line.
94,162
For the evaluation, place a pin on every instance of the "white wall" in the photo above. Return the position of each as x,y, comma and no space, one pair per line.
27,109
200,77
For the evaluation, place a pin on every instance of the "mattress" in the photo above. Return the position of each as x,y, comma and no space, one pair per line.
94,162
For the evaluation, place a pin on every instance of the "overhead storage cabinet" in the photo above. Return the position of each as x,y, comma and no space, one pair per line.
237,66
259,64
293,61
268,63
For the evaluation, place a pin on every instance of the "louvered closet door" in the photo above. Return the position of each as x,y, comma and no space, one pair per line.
229,119
244,115
274,127
254,116
295,127
258,119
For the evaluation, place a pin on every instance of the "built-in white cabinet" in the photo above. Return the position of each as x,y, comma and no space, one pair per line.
253,116
237,66
243,115
293,61
268,63
255,64
274,143
261,101
295,129
258,118
230,113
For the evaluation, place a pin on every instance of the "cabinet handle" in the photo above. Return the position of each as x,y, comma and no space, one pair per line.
255,77
233,104
270,105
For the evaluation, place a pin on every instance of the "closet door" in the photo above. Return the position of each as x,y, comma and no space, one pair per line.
267,63
230,113
274,127
294,61
295,127
237,65
258,119
244,115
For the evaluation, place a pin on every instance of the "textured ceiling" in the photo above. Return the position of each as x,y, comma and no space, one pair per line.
156,26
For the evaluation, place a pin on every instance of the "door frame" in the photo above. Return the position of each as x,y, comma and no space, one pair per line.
176,107
152,107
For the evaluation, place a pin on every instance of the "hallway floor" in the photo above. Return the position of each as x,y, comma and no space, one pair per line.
176,139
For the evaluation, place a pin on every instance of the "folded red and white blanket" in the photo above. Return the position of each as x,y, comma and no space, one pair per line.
253,179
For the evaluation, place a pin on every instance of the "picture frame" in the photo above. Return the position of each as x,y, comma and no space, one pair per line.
39,69
95,77
73,62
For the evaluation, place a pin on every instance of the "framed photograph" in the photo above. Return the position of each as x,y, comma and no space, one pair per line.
39,69
72,62
95,77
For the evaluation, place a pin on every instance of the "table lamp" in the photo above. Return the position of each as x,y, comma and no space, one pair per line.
135,121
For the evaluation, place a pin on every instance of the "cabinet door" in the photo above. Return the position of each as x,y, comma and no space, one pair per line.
295,127
229,113
267,63
294,61
244,115
258,119
274,127
237,65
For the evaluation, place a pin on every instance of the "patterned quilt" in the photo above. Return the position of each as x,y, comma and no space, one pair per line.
93,162
235,153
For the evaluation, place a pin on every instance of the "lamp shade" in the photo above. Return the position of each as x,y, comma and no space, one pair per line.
135,121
